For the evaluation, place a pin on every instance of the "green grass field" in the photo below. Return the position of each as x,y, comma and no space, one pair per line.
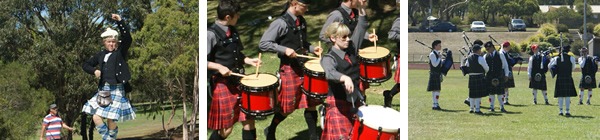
524,120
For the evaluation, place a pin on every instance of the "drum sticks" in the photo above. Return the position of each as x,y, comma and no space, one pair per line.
304,56
375,42
258,66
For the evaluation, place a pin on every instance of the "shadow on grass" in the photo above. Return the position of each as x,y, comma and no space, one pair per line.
510,112
518,105
303,135
491,114
579,117
453,111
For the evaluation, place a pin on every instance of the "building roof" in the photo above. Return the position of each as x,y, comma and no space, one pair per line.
545,8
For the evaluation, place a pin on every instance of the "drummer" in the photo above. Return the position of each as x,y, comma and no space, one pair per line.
342,73
477,69
394,35
287,36
346,14
497,75
223,47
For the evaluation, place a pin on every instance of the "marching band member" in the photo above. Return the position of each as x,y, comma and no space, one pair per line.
565,88
497,75
477,69
588,74
511,63
287,36
536,71
480,43
224,57
435,73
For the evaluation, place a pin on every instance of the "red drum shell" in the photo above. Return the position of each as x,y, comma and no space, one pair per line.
375,70
258,101
315,85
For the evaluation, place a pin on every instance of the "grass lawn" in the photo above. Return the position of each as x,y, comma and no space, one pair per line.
524,120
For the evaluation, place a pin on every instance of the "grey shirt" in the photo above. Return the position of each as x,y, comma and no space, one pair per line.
336,16
278,28
212,37
394,33
328,62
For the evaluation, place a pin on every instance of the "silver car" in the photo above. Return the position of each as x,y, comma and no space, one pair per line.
478,26
517,25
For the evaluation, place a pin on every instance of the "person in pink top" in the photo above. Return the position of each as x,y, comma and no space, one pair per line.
52,125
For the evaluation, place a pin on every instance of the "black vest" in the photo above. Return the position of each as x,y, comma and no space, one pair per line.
535,65
294,39
350,22
437,69
227,51
108,73
590,67
474,66
350,70
495,64
564,67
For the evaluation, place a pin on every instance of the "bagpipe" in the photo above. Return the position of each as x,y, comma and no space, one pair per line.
554,68
447,61
513,58
466,53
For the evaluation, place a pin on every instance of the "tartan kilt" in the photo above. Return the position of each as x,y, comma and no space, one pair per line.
564,87
120,109
583,85
224,108
497,90
477,86
541,85
290,96
435,82
510,83
339,119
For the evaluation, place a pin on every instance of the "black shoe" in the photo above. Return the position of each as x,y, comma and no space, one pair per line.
568,114
560,114
268,135
588,103
387,100
492,110
534,102
478,112
436,108
506,103
467,102
547,103
503,110
470,111
580,103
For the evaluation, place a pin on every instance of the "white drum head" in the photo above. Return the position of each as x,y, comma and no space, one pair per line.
374,53
314,65
262,80
375,116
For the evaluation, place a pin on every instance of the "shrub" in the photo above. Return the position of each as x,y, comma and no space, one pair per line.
590,28
562,28
548,29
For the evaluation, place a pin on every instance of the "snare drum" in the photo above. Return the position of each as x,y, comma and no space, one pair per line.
376,123
315,85
257,98
375,64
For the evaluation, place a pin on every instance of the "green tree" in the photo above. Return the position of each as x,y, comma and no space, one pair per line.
165,66
23,105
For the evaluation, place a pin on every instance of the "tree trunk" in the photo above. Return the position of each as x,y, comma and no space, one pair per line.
196,104
184,125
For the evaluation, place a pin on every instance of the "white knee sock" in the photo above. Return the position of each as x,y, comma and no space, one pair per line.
492,101
560,104
435,95
567,103
581,93
506,95
472,104
589,95
534,94
545,93
477,104
500,99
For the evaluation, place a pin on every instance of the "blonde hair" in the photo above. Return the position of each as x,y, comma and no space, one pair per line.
337,29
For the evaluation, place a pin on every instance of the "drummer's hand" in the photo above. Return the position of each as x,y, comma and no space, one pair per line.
116,17
318,51
97,73
373,37
348,85
290,53
224,71
253,61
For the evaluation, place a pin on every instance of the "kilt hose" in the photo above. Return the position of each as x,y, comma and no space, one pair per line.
435,83
541,85
590,85
339,119
477,86
290,96
224,108
564,87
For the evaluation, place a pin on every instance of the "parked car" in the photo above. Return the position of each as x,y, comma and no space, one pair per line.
517,25
441,27
478,26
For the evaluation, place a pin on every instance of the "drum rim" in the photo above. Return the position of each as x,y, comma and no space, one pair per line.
377,80
256,113
313,73
263,88
374,60
368,124
312,94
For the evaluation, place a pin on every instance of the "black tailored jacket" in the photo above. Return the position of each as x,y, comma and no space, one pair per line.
122,71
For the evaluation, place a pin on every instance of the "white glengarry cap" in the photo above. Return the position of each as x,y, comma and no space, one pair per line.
109,33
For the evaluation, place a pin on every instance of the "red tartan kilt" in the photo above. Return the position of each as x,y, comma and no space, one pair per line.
397,76
224,108
339,119
290,96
